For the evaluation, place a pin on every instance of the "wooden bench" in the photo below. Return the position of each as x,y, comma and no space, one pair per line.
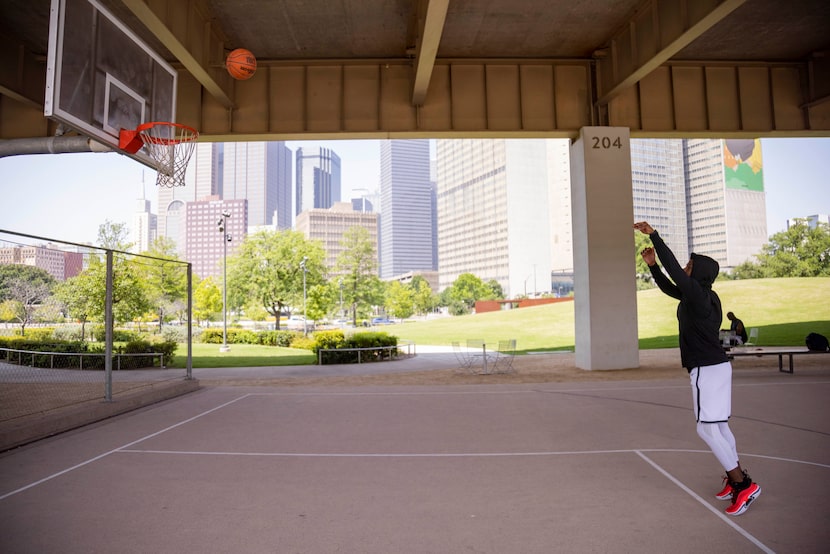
773,351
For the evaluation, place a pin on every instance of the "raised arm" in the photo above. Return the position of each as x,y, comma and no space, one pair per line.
663,282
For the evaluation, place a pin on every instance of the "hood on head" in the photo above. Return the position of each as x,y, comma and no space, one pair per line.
705,269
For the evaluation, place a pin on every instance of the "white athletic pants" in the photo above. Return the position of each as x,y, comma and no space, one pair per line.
712,400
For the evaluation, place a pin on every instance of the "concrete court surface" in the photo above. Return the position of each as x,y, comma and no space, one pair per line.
546,467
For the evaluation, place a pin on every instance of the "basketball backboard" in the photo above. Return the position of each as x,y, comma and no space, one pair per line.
100,76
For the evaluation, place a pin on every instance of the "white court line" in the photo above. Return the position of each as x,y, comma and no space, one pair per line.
708,506
376,454
105,454
447,454
537,389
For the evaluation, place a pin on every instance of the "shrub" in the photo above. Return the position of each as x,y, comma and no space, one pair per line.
179,333
37,333
167,348
371,339
68,332
99,334
329,339
242,336
278,338
41,359
211,335
306,343
235,336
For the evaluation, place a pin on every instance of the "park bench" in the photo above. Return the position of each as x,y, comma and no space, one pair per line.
790,352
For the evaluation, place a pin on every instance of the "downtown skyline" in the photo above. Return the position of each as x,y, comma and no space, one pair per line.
68,196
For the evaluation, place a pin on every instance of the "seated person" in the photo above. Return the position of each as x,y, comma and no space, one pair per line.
737,327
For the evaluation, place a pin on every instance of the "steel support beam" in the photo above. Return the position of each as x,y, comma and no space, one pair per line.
661,29
23,76
187,31
430,29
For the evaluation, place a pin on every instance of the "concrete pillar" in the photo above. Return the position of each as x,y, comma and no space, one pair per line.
605,300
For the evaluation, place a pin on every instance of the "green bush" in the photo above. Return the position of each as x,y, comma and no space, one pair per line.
37,333
167,348
235,336
372,339
329,339
118,335
38,354
305,343
37,357
178,333
278,338
369,339
211,335
68,332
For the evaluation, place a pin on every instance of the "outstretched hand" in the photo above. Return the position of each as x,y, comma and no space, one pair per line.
644,227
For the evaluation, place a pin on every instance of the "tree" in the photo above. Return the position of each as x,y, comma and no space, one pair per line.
496,292
424,300
86,294
26,297
358,264
746,270
468,288
207,300
800,251
77,295
321,300
32,274
113,236
165,281
7,310
266,269
400,300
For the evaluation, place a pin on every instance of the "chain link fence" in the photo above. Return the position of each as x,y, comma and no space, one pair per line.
80,323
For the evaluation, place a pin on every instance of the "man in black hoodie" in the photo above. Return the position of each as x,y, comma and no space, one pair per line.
699,316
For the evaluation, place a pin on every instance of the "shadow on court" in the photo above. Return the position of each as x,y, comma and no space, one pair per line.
524,467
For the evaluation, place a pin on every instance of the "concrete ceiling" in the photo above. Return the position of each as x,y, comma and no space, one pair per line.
757,30
621,41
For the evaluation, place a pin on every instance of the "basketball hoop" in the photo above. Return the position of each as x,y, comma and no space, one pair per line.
169,144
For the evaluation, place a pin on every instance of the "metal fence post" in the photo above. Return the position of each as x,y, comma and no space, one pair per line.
108,323
189,364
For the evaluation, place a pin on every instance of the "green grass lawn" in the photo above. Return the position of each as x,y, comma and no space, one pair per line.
242,355
784,310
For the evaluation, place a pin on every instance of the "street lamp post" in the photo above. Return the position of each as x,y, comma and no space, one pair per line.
534,281
226,238
305,319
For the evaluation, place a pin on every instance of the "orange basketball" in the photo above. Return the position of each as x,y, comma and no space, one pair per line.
241,64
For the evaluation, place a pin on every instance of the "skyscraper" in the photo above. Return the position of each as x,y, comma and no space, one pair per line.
703,195
202,179
144,227
659,189
318,178
726,202
493,213
259,172
559,179
406,231
205,242
329,225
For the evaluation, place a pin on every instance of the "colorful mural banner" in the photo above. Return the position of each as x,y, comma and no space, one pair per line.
743,167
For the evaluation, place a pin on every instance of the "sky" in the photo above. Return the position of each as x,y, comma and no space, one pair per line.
68,196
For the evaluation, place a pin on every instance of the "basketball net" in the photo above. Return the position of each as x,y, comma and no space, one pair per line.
170,145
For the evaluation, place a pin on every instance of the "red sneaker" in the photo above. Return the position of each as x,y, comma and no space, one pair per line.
726,493
741,499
